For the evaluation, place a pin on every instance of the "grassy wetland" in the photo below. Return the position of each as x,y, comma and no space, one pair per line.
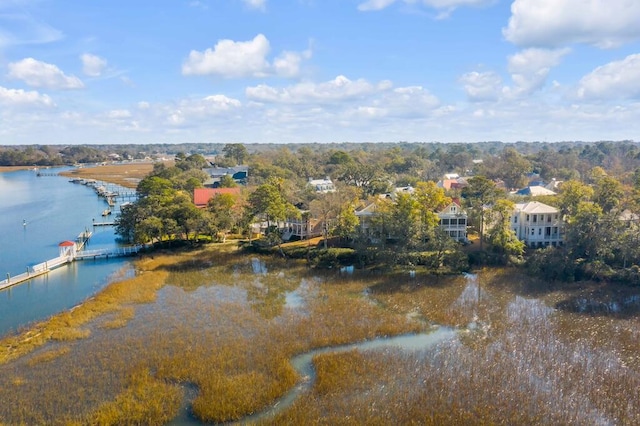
228,325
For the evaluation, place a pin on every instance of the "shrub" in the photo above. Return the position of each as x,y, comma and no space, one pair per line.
333,257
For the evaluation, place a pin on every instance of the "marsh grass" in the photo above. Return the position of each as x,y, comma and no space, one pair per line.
48,355
216,320
127,175
531,368
121,318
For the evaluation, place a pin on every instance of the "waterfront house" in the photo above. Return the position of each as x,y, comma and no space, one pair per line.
453,221
294,229
364,216
537,224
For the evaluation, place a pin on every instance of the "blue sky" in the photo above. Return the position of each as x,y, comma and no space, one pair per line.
254,71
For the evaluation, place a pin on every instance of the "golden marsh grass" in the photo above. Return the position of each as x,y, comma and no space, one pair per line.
225,323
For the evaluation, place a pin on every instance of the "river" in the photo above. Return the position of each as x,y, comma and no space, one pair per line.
36,214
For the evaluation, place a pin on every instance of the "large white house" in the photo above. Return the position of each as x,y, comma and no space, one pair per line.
322,185
453,221
537,224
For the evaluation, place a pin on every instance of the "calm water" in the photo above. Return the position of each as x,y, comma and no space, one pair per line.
54,210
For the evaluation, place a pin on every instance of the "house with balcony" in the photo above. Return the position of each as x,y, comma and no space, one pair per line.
453,221
537,224
294,229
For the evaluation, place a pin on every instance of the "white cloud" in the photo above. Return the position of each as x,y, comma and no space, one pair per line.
482,86
287,64
336,90
407,102
529,69
93,65
216,103
19,97
187,112
256,4
550,23
375,4
119,114
41,74
371,5
618,79
232,59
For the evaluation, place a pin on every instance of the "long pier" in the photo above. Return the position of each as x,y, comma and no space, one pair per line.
70,251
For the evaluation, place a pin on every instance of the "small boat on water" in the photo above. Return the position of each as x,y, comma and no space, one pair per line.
106,212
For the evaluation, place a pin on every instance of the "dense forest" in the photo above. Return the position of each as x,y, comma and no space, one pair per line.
597,192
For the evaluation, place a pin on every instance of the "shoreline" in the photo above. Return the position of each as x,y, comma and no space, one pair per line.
7,169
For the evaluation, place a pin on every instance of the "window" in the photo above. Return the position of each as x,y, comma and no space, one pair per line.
549,219
515,219
445,221
535,218
462,221
527,218
533,231
539,231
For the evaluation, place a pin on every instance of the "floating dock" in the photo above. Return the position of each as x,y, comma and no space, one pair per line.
69,251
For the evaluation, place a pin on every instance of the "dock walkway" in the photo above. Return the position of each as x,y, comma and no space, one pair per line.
69,253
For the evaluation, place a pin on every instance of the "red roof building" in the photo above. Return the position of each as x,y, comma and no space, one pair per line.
201,196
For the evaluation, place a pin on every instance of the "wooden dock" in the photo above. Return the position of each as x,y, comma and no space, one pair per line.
35,271
106,253
69,252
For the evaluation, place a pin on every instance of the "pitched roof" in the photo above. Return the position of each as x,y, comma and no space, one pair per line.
535,207
369,210
534,191
201,196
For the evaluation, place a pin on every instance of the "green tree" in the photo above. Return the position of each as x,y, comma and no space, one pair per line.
227,181
479,193
268,199
194,161
236,151
513,168
346,223
430,199
572,193
585,232
399,221
608,193
223,213
502,238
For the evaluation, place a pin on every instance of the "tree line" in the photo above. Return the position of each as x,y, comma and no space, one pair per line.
599,199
